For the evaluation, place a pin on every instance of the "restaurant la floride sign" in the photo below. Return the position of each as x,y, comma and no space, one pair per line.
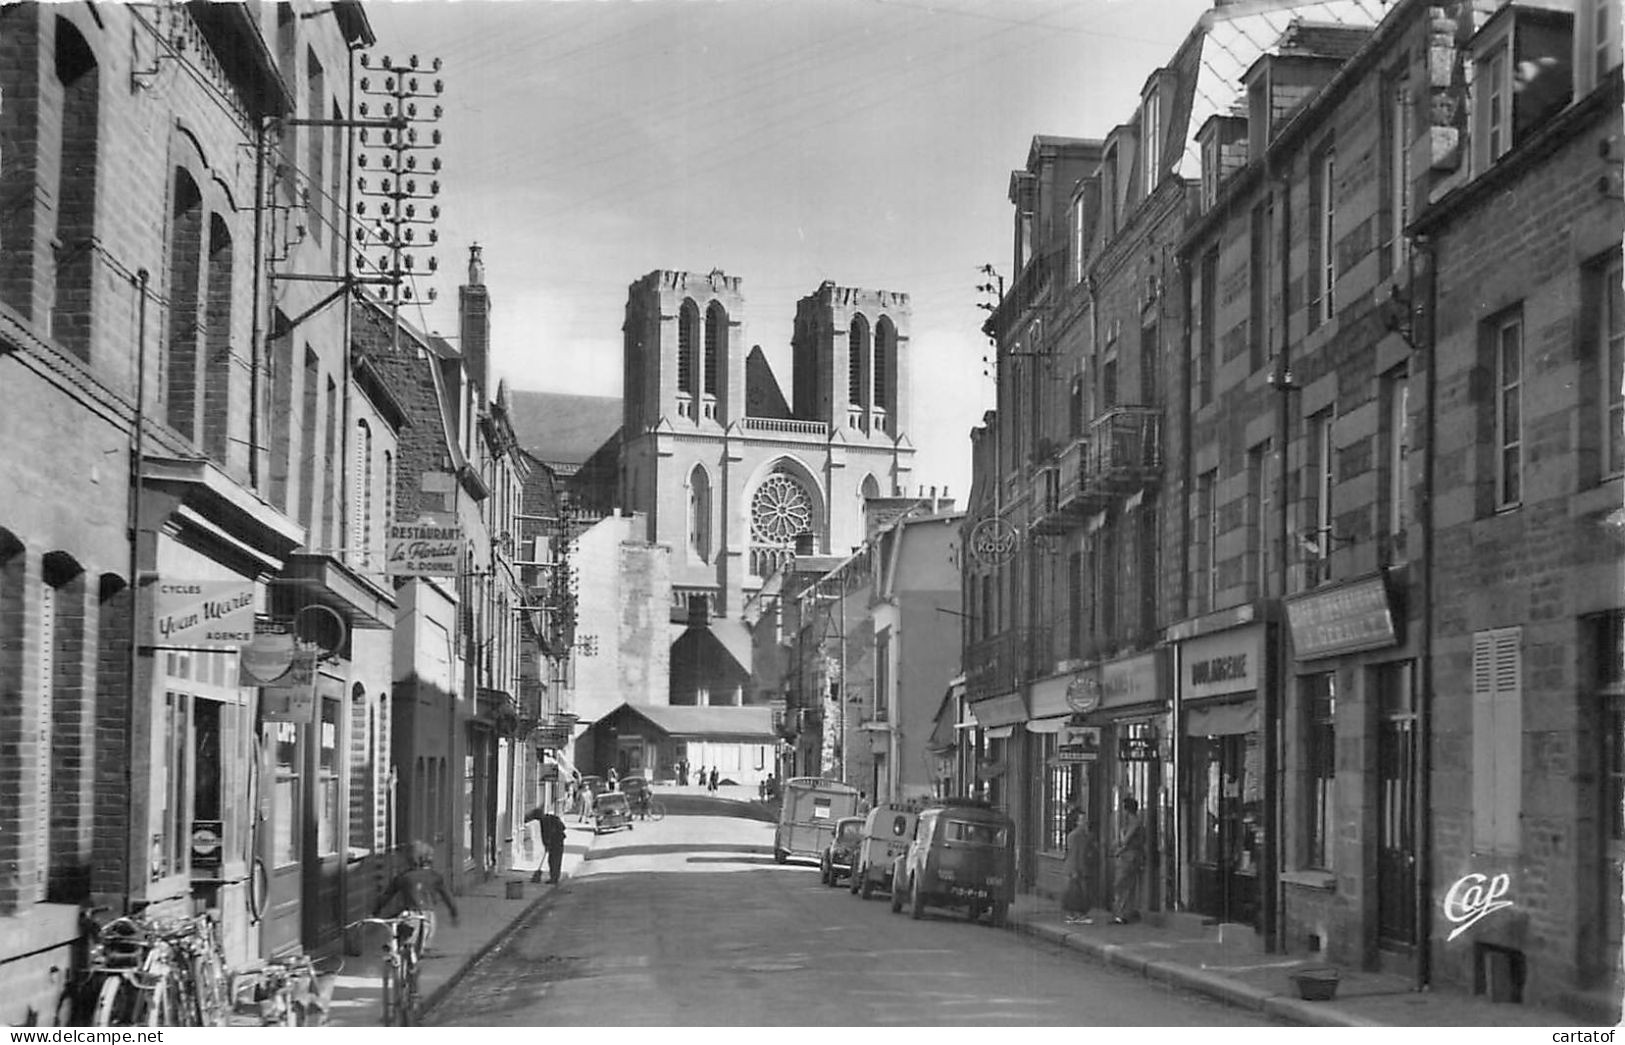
424,549
203,614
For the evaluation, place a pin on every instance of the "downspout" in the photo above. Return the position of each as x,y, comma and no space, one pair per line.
256,346
1176,659
1422,794
1273,763
133,516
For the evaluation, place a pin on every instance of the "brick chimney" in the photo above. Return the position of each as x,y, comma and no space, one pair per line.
474,323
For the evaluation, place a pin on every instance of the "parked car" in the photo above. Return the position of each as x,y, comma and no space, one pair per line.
611,812
962,855
836,863
886,834
807,817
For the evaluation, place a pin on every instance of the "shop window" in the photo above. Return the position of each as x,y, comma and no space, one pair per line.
468,802
1497,679
285,795
1061,782
1319,703
327,780
171,826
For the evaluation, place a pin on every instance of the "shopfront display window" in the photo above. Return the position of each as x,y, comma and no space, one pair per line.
327,780
1062,780
1318,695
285,800
1227,828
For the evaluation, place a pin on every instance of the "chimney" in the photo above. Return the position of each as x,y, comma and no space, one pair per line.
474,324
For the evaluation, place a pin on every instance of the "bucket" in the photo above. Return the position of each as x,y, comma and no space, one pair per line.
516,889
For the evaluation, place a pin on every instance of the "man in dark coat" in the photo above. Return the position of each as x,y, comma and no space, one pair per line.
553,831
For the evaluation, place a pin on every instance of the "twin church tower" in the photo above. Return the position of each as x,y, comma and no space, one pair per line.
731,474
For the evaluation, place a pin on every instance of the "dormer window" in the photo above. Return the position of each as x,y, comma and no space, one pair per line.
1522,74
1151,138
1210,172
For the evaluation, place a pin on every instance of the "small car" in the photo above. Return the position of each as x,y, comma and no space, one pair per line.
962,855
836,861
886,834
611,812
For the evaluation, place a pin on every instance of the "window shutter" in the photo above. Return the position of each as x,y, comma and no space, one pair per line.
1497,738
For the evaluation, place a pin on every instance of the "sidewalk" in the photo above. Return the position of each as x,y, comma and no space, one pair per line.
1230,967
488,918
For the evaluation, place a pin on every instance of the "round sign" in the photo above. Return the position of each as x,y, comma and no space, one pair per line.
993,541
1083,693
267,658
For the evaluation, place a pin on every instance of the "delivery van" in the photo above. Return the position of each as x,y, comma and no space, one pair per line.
807,819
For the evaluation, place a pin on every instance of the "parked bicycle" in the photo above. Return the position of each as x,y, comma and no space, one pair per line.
285,992
401,953
158,973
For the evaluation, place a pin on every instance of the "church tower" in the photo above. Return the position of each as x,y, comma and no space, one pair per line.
730,479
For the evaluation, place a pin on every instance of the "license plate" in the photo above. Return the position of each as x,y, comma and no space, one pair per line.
968,893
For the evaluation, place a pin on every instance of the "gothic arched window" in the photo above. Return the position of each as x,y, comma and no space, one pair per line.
699,513
716,342
688,327
857,344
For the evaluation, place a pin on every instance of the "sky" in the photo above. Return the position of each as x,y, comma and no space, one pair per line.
785,142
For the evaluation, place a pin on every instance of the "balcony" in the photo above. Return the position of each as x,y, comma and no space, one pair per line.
784,426
1124,455
1058,503
998,665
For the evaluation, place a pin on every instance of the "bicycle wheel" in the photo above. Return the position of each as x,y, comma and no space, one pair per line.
107,1010
410,993
390,999
657,811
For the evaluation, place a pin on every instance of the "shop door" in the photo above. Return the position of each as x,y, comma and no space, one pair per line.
1613,869
281,831
323,860
1227,806
1396,806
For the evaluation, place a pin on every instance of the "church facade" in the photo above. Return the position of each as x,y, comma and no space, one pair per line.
733,476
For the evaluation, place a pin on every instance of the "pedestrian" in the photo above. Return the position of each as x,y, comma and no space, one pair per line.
682,772
614,779
863,802
553,832
1130,860
713,784
1074,813
417,889
1079,896
700,779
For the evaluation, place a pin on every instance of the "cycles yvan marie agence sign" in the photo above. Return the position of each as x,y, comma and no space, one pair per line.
203,614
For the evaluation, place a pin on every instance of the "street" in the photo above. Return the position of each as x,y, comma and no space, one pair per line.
690,922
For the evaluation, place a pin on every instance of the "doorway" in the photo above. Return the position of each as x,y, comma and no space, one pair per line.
1396,805
1227,806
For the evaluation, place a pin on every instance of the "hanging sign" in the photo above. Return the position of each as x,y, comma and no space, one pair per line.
203,614
424,549
1136,749
293,698
269,656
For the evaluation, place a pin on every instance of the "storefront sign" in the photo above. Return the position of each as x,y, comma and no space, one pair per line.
424,549
203,614
1083,693
1078,744
1136,749
266,659
1227,662
1132,680
206,854
1345,619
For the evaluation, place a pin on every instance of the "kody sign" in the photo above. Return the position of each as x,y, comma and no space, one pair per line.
203,614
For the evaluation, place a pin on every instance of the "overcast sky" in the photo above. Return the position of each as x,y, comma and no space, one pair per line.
786,142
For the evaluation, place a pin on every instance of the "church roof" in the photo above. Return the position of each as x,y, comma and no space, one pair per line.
754,723
562,427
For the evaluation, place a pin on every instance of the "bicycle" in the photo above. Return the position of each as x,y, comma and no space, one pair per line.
402,951
285,992
158,973
656,811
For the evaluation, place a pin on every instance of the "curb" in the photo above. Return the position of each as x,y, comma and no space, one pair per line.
1199,981
434,998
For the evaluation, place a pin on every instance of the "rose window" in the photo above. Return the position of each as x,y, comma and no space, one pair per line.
779,510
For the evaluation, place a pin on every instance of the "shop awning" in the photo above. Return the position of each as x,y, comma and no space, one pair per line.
1000,732
1222,718
1047,725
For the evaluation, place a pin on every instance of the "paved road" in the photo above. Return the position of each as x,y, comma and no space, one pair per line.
689,922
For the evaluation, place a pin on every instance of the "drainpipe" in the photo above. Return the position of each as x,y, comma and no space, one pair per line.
133,516
1423,693
1273,762
256,347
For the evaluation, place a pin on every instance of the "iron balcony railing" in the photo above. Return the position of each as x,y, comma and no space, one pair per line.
1059,505
999,664
1124,454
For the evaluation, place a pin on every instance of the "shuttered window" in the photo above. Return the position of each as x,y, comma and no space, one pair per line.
1497,738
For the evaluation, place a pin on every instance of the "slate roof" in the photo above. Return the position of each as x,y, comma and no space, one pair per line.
562,427
701,721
